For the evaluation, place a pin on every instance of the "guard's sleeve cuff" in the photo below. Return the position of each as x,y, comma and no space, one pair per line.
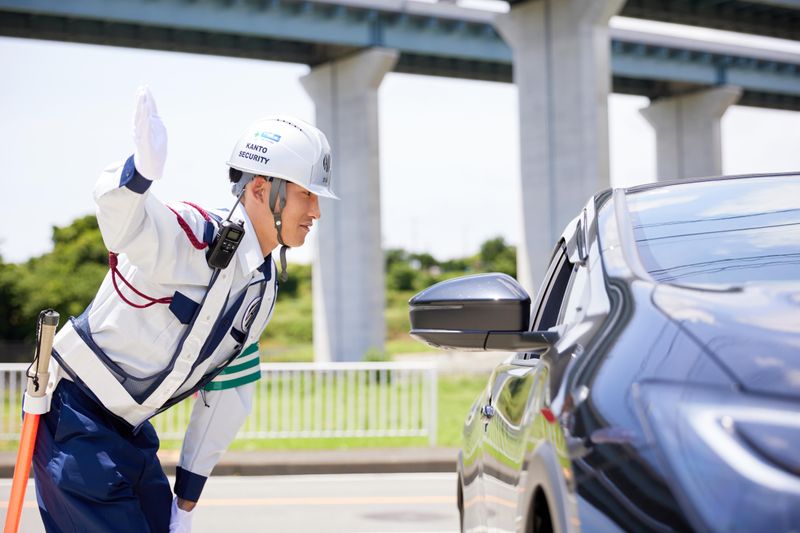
188,485
131,178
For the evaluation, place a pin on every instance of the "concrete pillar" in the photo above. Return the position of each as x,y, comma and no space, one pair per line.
561,53
688,140
348,279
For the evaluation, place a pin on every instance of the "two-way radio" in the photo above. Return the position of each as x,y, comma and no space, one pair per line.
226,241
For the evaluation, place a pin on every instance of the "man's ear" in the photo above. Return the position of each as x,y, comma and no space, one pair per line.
259,189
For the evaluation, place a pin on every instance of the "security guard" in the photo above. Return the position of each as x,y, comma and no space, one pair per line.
187,296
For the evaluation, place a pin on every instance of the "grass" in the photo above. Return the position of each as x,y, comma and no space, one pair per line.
273,352
455,396
277,353
315,444
406,344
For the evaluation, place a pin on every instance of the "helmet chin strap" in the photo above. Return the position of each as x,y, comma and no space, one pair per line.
278,192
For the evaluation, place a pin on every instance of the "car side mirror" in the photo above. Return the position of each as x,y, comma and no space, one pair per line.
480,312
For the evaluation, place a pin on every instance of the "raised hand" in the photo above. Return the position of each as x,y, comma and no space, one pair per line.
149,136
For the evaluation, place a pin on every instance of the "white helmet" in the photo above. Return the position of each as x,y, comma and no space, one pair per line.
286,148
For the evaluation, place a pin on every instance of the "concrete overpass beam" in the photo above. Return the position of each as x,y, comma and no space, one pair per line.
561,64
348,279
688,140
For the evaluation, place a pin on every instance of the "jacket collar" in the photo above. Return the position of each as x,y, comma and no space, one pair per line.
249,252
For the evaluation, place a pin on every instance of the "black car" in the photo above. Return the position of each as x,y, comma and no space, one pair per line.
656,380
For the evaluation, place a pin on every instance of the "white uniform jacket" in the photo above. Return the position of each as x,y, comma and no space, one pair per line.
138,360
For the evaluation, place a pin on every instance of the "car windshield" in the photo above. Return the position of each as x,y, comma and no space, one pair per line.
728,232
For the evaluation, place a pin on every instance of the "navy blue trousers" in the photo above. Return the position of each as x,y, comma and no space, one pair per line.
93,474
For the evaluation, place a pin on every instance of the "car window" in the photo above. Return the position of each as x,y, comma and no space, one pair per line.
550,303
732,231
575,295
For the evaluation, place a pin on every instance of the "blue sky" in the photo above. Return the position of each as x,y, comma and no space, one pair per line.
66,113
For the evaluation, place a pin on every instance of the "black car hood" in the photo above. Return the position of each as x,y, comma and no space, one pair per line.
754,332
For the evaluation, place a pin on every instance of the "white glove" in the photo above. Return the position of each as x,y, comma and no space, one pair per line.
180,521
149,136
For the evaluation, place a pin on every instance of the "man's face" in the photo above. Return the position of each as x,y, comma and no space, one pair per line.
302,208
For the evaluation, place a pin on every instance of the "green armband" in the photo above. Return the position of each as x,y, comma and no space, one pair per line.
244,369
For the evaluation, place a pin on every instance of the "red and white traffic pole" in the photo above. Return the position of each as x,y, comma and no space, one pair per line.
36,403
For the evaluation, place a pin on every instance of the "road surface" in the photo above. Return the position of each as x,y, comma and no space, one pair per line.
349,503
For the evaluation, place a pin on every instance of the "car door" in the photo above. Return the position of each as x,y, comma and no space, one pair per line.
473,500
504,441
517,400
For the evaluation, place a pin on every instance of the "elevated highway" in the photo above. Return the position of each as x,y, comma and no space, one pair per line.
434,39
772,18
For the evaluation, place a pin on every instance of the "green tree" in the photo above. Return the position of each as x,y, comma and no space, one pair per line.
12,326
299,281
497,256
394,256
401,277
425,260
64,279
460,266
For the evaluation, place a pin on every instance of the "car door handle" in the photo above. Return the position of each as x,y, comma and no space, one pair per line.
487,412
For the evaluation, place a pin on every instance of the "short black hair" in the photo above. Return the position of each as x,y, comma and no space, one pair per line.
234,174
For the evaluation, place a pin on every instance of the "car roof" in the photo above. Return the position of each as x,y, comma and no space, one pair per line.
671,182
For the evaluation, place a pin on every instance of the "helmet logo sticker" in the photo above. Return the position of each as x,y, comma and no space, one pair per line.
274,137
326,163
250,314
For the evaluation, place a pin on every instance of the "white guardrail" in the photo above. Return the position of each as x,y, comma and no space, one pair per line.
298,400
